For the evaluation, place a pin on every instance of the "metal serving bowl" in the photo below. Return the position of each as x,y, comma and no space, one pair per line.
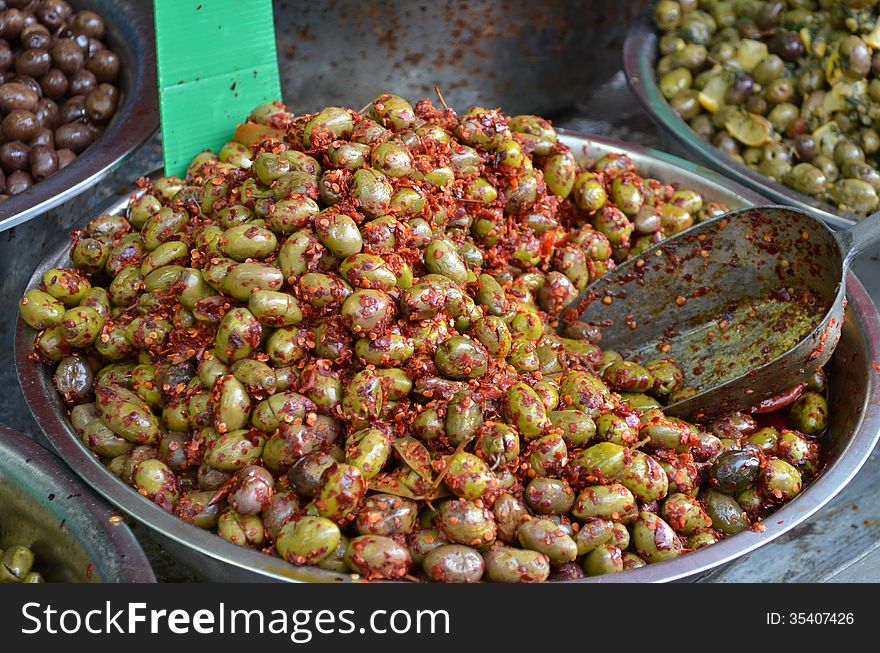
129,33
527,57
44,506
855,425
639,64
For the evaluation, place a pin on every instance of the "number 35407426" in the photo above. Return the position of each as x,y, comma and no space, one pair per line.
812,618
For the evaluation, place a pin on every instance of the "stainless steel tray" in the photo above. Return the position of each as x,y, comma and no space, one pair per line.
639,59
855,426
130,34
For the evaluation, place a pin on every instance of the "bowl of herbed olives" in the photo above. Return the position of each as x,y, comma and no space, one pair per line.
781,96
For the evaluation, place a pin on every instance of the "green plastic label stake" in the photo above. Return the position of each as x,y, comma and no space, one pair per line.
216,61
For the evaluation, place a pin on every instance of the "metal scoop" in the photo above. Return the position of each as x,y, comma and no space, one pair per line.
748,304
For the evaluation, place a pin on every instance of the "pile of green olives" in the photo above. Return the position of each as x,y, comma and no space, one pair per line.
335,341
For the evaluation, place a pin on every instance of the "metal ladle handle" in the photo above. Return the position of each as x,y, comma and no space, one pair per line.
854,240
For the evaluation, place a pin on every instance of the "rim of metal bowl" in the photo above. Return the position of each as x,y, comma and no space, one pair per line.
116,544
639,57
51,415
130,33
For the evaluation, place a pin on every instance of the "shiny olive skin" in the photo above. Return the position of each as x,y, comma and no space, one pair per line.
780,480
733,471
726,514
466,522
526,410
508,512
612,502
453,563
593,534
654,539
307,540
685,514
544,536
809,414
468,476
506,564
376,557
340,492
604,559
549,496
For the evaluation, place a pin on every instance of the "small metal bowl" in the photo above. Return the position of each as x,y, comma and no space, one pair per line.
855,406
45,507
639,63
129,33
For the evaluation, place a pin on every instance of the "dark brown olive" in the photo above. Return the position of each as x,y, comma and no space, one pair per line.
786,45
110,90
740,89
65,156
53,13
28,81
856,57
14,155
47,113
100,106
74,136
105,65
35,36
20,125
6,56
211,478
44,161
18,182
73,379
95,46
253,490
567,571
67,56
11,23
172,451
54,84
88,23
33,62
83,82
17,96
74,109
81,40
305,475
805,146
2,182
